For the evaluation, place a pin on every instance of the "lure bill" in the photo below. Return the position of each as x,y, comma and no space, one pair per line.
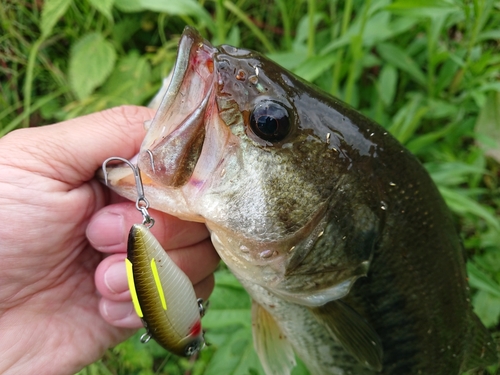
162,294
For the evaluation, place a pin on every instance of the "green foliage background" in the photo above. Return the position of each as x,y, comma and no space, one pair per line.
427,70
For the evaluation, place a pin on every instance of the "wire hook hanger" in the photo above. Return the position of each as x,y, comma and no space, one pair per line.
141,204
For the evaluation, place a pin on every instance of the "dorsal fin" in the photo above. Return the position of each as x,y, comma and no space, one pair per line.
352,331
482,350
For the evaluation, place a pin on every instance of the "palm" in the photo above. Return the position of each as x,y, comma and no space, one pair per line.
54,295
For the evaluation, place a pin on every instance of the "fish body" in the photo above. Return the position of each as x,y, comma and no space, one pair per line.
336,231
163,296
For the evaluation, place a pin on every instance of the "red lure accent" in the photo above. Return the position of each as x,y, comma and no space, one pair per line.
196,329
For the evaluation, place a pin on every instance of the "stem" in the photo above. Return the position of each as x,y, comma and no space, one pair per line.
287,35
357,52
472,41
220,16
28,85
161,29
311,11
26,114
430,65
248,22
340,53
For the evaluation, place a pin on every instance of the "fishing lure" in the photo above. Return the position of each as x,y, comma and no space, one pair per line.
162,294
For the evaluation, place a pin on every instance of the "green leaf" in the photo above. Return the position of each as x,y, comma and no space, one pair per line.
400,59
452,173
229,303
129,5
490,34
314,66
428,140
179,8
438,109
235,356
490,260
172,7
124,30
51,12
487,307
387,84
488,125
92,59
289,60
130,81
424,8
407,120
462,204
103,6
480,280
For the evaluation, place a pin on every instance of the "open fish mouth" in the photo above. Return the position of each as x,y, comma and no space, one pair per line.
173,144
175,136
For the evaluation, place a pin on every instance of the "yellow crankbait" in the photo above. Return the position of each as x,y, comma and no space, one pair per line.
162,294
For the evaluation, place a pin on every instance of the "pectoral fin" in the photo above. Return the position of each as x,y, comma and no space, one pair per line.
274,350
353,332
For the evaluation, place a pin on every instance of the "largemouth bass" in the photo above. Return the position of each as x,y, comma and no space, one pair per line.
336,231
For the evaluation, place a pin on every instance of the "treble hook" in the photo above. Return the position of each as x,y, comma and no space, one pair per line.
141,204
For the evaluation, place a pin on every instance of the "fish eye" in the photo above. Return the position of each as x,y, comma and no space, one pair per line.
270,121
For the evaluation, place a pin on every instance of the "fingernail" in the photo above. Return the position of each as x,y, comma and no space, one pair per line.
106,230
118,310
115,278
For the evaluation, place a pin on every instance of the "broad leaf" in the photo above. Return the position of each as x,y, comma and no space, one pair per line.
91,61
129,5
487,307
51,12
179,8
130,81
236,355
103,6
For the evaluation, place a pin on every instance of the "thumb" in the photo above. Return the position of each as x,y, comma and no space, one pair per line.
72,150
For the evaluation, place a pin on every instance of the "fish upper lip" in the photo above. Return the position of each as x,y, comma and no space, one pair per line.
195,57
173,143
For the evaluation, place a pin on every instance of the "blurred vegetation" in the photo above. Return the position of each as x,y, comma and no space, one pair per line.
427,70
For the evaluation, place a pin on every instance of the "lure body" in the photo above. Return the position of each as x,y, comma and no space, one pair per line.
163,295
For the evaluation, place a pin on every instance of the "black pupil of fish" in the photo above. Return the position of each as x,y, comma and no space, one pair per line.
270,121
267,125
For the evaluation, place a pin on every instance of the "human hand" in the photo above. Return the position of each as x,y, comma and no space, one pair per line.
53,318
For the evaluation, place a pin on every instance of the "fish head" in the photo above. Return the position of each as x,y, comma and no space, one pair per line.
244,146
